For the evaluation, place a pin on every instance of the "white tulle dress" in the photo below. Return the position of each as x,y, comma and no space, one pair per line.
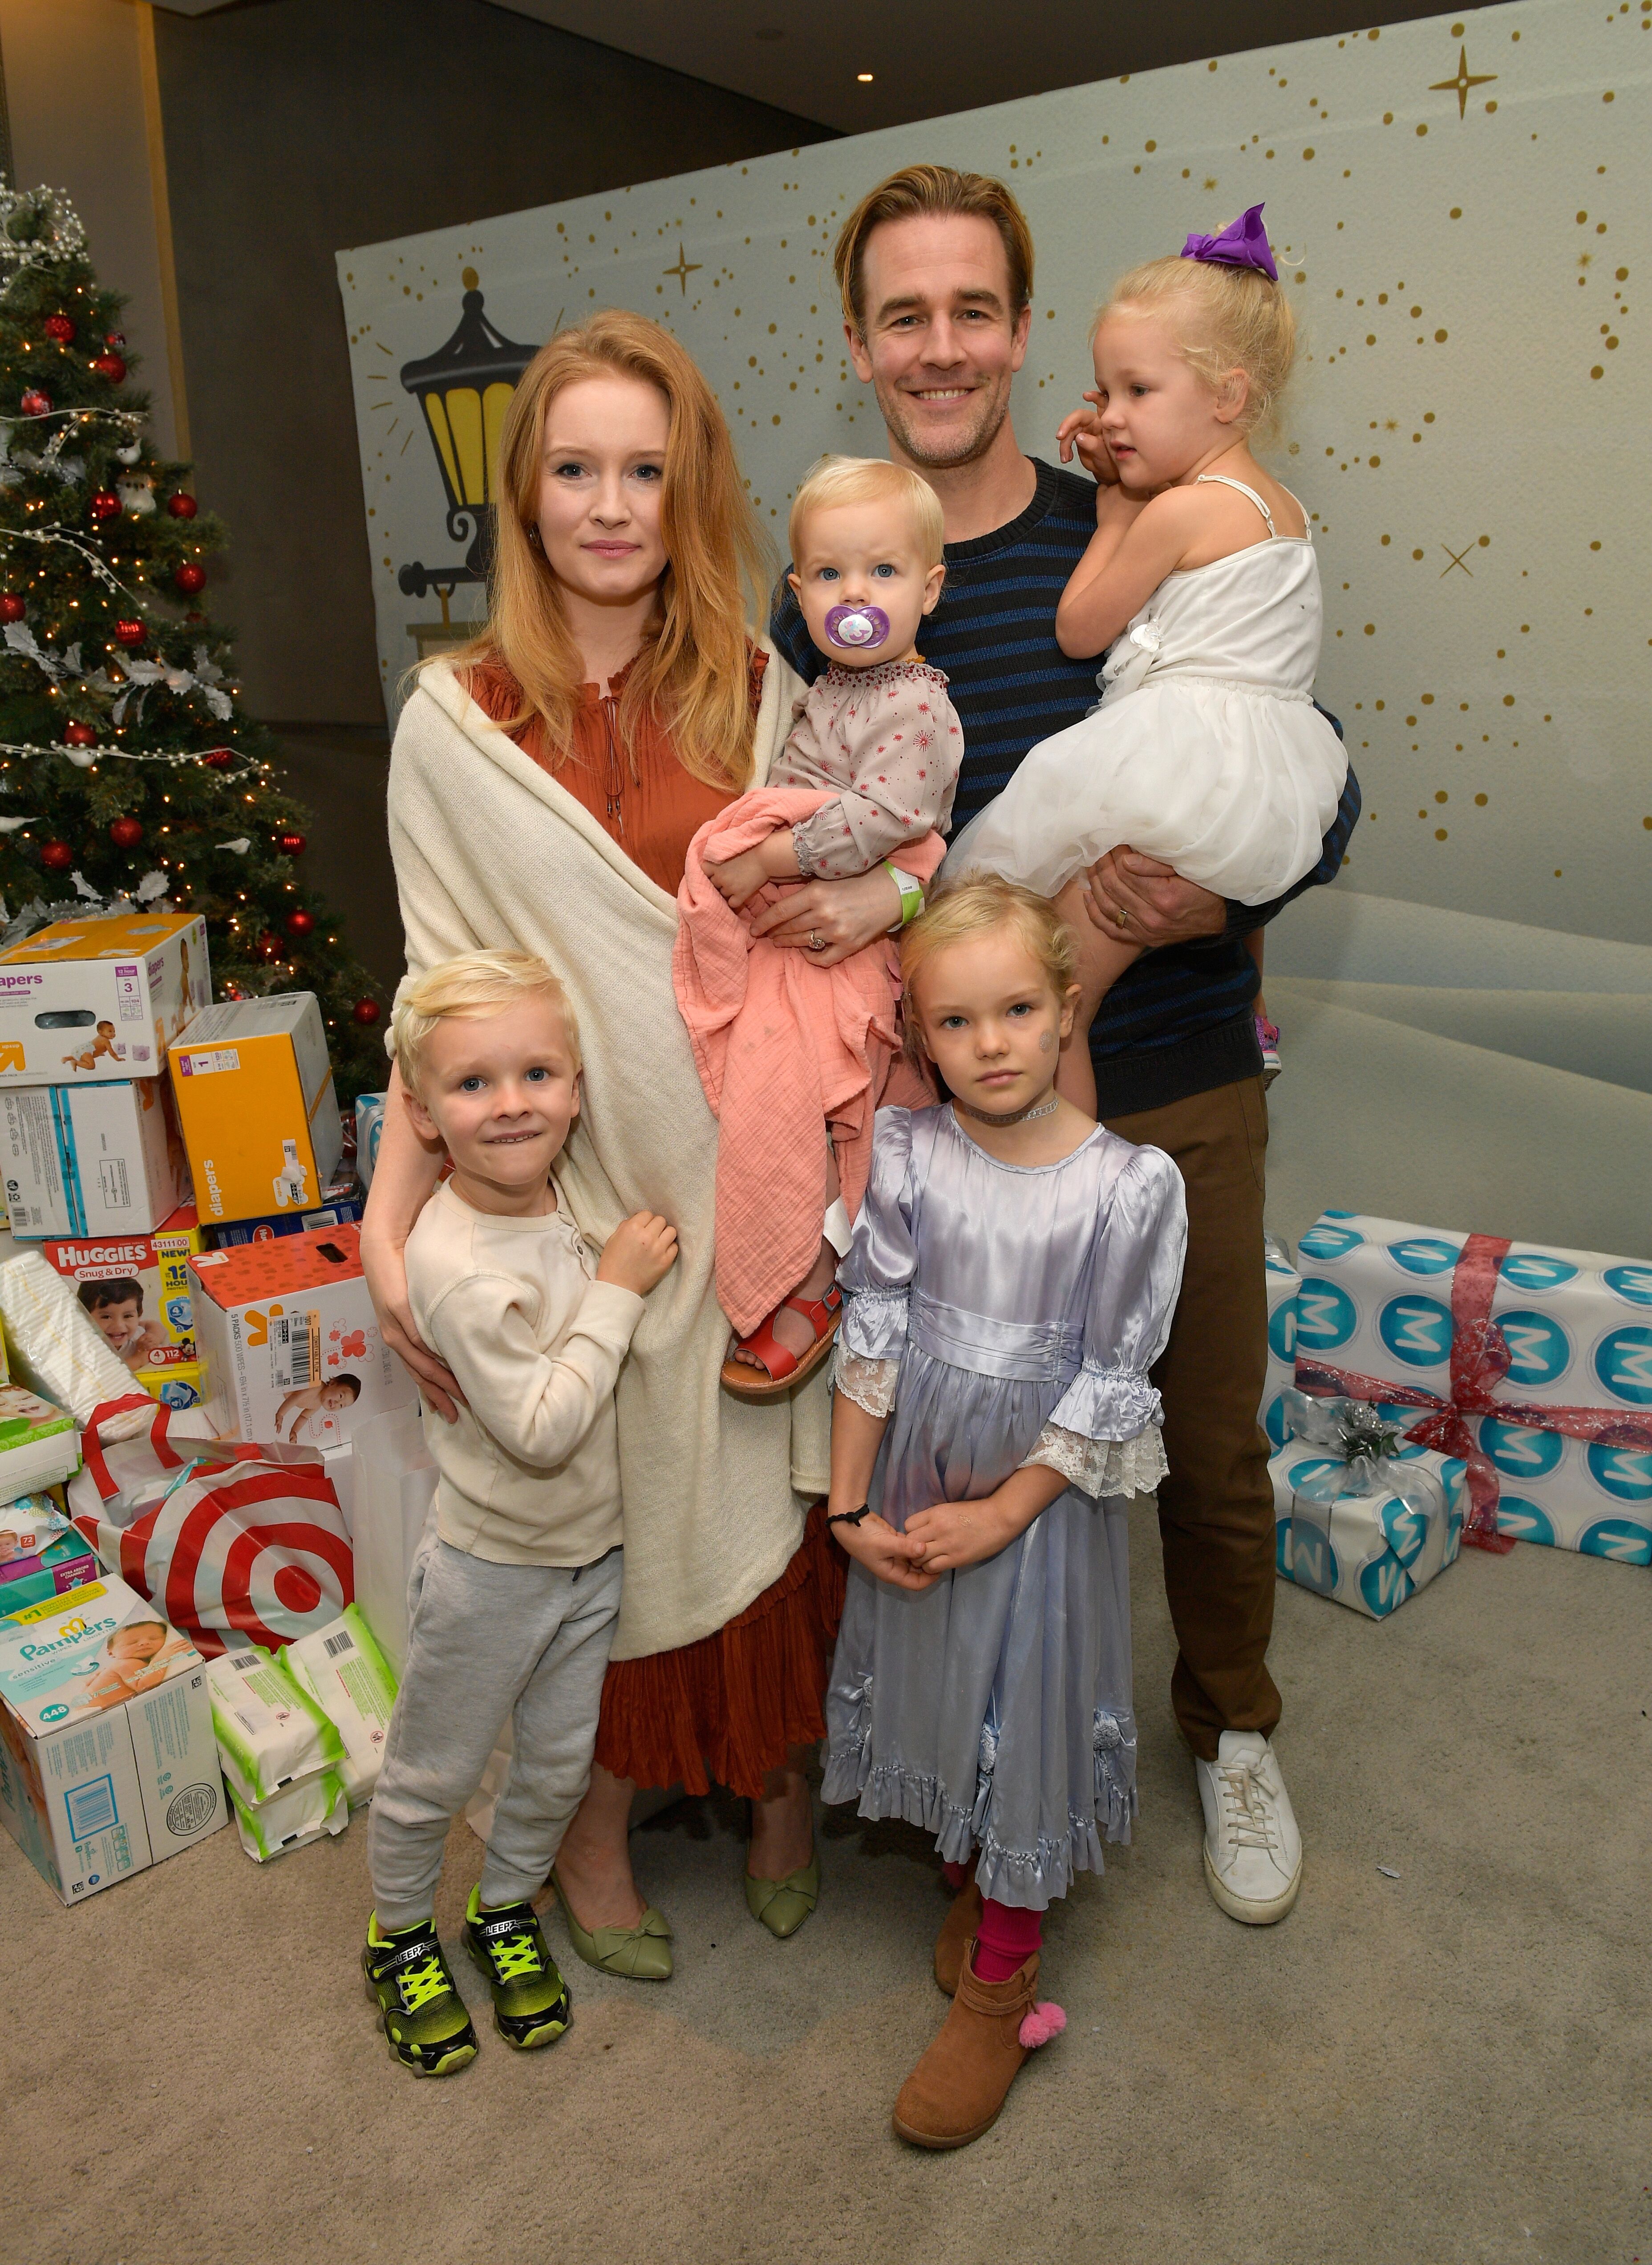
1207,749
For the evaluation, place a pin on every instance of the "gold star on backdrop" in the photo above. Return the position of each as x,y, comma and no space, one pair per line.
1460,84
684,269
1457,558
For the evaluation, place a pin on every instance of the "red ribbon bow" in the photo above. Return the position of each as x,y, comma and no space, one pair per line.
1480,1361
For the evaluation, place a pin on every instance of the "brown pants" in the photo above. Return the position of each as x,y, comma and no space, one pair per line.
1216,1507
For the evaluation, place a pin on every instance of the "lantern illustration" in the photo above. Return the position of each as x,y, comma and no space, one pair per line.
463,388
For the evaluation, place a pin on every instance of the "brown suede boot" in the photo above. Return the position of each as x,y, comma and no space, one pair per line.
957,2088
957,1932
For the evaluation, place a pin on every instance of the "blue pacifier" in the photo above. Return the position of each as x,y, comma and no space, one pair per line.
857,628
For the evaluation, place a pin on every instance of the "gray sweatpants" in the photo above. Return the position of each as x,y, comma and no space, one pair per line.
486,1640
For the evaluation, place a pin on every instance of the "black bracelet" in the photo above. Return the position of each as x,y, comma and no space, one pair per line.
850,1517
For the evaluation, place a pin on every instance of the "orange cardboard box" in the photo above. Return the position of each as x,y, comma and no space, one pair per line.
256,1102
84,1001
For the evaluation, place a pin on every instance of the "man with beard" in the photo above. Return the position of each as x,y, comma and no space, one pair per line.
936,270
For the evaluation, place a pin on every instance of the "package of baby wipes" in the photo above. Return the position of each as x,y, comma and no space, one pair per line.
348,1677
293,1819
269,1731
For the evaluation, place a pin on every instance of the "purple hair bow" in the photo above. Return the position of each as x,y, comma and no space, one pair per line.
1243,243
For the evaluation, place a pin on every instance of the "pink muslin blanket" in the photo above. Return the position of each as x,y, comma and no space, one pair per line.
785,1048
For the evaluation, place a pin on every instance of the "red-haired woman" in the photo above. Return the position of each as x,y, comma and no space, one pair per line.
546,783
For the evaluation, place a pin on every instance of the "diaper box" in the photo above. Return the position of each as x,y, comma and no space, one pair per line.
108,1758
342,1204
255,1101
136,1288
85,1002
105,1159
290,1340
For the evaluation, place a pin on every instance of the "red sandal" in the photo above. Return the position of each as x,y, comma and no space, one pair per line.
782,1371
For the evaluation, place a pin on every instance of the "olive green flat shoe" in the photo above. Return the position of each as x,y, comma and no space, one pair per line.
782,1905
634,1953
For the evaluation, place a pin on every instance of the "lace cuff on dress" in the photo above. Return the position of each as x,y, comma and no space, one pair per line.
1107,1403
869,1384
1101,1468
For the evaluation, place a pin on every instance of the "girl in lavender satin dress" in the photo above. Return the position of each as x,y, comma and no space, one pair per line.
1011,1283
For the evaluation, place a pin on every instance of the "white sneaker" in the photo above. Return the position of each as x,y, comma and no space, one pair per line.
1253,1852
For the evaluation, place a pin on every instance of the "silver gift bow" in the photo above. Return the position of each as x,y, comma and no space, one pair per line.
1364,1445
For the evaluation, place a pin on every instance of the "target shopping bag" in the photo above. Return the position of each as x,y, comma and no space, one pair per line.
231,1542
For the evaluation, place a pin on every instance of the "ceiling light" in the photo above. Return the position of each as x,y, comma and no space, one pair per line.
865,77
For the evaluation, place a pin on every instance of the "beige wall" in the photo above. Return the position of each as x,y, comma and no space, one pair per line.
75,88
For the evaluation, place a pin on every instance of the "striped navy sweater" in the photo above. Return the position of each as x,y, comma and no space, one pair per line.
1178,1021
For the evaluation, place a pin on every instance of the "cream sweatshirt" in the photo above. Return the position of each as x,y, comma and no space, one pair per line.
530,1472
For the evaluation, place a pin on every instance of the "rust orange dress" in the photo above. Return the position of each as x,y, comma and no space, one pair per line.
729,1706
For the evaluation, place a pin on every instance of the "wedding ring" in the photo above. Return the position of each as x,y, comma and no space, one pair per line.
817,943
1123,916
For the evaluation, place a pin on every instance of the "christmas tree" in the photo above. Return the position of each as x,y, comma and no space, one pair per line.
128,773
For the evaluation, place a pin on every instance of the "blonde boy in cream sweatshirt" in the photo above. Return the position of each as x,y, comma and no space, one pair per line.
512,1611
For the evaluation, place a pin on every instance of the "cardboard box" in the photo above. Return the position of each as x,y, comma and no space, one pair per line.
87,1000
256,1102
341,1206
108,1758
137,1288
181,1384
39,1443
103,1161
291,1342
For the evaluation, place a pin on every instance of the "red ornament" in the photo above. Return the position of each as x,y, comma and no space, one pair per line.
128,633
57,856
60,330
218,759
366,1011
106,503
110,365
268,945
11,606
300,923
79,735
181,506
116,339
126,833
190,579
290,845
35,404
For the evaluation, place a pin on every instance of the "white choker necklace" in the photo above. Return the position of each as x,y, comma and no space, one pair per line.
1016,1117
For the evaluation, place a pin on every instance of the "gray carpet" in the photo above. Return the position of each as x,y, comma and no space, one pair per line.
1449,2065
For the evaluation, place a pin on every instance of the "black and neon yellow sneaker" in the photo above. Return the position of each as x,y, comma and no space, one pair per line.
530,1998
424,2015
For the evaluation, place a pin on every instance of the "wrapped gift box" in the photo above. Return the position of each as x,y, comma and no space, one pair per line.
1367,1536
1283,1282
1385,1307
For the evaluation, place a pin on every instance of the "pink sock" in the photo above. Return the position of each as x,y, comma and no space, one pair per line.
1007,1940
956,1876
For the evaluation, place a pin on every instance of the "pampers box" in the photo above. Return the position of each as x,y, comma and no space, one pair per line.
291,1342
255,1101
103,1161
86,1000
108,1758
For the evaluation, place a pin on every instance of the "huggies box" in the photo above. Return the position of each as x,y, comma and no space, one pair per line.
291,1342
103,1161
135,1288
108,1758
86,1000
255,1101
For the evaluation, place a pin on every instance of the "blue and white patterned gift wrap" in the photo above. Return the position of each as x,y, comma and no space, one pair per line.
1376,1301
369,1132
1368,1551
1284,1281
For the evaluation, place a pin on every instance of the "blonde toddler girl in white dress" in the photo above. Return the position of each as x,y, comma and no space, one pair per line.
1206,750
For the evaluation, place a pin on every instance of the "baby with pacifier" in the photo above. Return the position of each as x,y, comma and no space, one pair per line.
793,1053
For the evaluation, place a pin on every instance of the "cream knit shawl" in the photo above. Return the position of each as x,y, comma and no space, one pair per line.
491,850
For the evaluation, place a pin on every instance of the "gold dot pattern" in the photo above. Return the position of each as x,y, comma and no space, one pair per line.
1482,553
